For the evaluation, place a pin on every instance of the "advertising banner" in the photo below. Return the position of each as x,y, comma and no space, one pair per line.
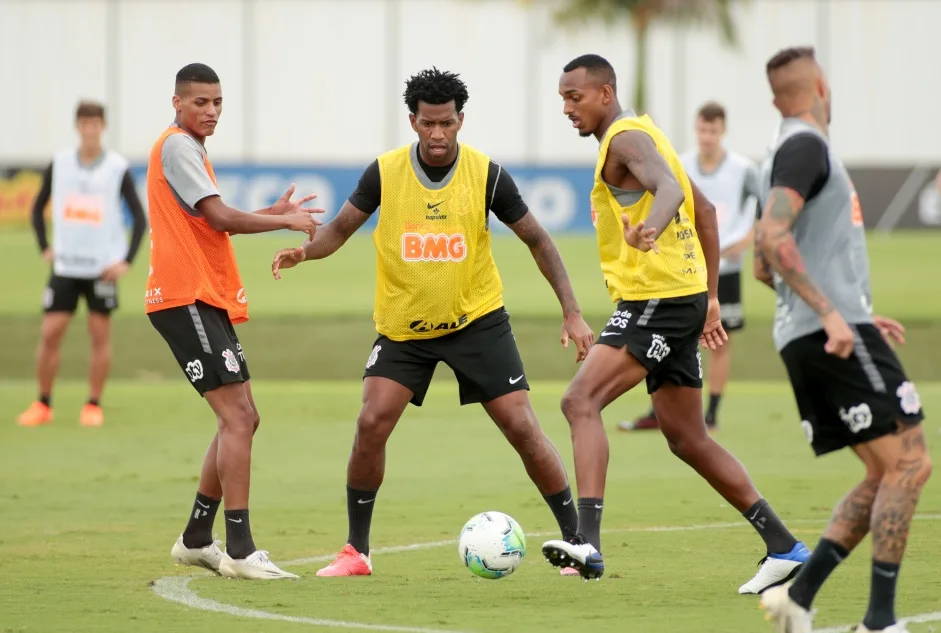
891,197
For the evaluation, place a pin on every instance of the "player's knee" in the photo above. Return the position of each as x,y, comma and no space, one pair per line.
575,405
521,429
685,445
256,419
373,427
239,420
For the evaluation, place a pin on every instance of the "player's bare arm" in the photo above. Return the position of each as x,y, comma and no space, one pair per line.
222,217
777,245
326,241
707,230
550,263
636,152
761,268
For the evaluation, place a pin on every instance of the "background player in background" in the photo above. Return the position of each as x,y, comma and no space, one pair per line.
666,306
194,297
730,182
850,387
439,298
88,254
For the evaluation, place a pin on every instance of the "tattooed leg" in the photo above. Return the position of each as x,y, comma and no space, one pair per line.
891,519
848,526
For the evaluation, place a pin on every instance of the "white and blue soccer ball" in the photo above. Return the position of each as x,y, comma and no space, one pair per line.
492,545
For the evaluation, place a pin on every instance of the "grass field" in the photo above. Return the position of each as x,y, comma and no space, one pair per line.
88,515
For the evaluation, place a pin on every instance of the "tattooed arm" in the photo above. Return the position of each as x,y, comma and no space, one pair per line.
636,152
334,234
778,247
800,170
761,268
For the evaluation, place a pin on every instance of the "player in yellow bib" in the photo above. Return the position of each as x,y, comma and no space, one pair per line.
659,248
439,298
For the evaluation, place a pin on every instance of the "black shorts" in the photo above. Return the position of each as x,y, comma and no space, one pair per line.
483,357
62,295
730,301
204,343
847,402
663,334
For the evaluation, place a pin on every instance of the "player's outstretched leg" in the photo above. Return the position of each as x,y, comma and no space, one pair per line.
384,401
897,468
237,421
48,356
514,415
607,373
679,410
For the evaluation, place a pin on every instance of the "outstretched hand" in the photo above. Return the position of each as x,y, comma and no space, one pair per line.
637,236
286,206
287,258
890,329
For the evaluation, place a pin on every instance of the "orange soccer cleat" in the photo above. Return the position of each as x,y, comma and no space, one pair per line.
36,415
91,415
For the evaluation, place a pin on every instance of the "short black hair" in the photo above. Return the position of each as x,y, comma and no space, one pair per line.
784,57
89,110
195,74
435,87
597,66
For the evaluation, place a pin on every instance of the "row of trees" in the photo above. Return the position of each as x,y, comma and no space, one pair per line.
639,16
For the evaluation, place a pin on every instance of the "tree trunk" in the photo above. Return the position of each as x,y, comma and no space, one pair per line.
641,31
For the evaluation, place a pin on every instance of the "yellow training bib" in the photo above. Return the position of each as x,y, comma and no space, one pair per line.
434,269
679,269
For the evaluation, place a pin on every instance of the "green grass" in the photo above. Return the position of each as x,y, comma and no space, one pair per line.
88,517
317,322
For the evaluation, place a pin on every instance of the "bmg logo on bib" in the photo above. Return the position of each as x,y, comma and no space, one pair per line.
433,247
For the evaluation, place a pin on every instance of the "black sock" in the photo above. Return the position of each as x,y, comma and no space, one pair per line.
238,534
589,520
815,572
198,532
359,505
565,512
714,399
777,537
93,402
45,399
881,613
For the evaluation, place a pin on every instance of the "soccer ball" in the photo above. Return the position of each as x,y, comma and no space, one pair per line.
492,545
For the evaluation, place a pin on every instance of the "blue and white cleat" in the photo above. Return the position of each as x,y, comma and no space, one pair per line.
577,554
776,569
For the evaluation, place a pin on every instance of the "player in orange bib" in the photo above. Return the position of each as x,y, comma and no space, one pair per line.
439,298
659,249
194,296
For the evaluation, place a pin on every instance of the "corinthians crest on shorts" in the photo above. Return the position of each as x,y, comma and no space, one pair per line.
231,362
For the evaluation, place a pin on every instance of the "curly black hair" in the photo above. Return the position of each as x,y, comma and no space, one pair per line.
435,87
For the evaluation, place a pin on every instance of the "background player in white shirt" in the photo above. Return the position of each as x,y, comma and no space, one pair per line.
89,253
730,181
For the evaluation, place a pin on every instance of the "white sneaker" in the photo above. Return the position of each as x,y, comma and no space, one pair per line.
776,569
787,615
208,557
257,566
578,554
898,627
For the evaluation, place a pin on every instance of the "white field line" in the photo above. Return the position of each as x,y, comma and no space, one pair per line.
176,588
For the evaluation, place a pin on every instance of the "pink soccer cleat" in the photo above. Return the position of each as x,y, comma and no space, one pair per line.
348,562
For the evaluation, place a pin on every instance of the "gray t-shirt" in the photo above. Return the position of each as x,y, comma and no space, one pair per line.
733,187
183,160
831,239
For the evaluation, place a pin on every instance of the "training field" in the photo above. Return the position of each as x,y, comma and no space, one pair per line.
88,516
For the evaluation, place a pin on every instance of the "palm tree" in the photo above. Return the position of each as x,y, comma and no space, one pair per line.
641,15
